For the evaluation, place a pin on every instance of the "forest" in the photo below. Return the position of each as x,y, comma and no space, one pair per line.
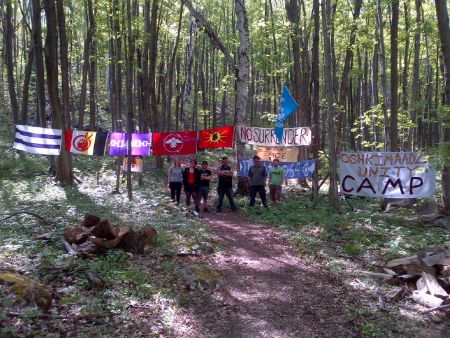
371,80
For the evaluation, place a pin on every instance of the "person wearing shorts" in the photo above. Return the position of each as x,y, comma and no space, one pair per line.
276,177
205,178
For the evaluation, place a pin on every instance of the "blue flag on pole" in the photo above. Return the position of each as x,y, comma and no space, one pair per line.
286,107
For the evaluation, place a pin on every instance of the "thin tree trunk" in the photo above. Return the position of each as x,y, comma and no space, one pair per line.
416,68
64,59
315,95
394,77
187,90
26,86
172,70
444,35
333,191
129,91
39,61
86,53
8,32
345,73
383,77
92,72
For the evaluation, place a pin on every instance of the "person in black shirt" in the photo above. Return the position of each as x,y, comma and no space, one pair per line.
225,184
191,183
205,178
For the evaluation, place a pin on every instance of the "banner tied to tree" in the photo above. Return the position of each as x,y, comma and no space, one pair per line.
282,154
294,170
292,137
388,175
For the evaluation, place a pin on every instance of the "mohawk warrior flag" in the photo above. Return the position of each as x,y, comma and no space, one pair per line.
140,144
80,142
176,143
37,140
217,138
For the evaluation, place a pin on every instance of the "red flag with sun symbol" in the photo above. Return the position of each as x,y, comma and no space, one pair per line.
217,138
80,142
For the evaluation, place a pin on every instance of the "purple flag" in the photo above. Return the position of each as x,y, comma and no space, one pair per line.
140,144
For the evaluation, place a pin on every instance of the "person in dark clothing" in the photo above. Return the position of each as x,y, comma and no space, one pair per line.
191,182
205,178
175,180
257,179
225,184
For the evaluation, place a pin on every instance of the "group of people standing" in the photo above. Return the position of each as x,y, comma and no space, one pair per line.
196,182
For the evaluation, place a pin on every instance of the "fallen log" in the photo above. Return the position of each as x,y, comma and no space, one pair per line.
425,299
433,285
442,307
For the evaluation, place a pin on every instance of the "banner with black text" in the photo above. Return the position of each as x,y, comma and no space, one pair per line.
292,137
386,175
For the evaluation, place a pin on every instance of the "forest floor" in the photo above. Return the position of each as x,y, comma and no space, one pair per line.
287,271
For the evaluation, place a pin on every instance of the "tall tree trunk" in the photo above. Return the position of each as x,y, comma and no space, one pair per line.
26,86
333,191
172,70
242,82
189,58
315,94
394,76
345,73
444,35
129,91
92,72
301,93
383,76
39,61
86,53
64,59
8,31
63,164
416,68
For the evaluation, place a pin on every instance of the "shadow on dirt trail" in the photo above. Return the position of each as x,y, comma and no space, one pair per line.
267,291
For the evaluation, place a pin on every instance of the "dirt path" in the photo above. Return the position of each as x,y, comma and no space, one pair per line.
266,290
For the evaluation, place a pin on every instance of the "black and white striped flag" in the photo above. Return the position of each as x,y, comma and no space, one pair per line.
37,140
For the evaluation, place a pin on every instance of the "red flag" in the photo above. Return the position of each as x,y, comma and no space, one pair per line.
176,143
217,138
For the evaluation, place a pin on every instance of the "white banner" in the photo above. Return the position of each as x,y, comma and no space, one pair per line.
387,175
292,137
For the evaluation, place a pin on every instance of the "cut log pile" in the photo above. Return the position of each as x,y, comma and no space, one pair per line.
95,236
425,276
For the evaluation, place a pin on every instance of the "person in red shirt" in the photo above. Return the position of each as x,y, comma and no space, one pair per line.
191,183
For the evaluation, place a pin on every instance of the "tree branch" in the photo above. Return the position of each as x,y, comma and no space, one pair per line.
215,40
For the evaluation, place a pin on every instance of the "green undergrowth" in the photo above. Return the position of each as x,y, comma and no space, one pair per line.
150,281
365,232
344,244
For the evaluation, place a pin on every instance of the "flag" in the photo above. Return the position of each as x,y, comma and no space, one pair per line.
176,143
286,107
79,141
100,143
216,138
140,144
44,141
